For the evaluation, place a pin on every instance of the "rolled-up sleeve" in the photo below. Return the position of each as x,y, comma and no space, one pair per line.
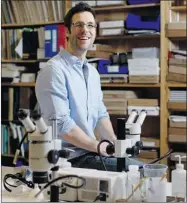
52,96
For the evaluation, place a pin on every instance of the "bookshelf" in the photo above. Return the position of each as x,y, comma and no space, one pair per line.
19,84
105,38
175,39
124,7
18,61
165,40
178,8
16,17
16,25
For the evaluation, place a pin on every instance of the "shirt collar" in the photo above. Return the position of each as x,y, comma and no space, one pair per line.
72,60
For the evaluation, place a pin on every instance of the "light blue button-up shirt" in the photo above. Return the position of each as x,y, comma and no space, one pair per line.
70,92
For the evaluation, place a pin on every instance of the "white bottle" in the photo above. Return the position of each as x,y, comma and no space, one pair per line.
178,179
133,178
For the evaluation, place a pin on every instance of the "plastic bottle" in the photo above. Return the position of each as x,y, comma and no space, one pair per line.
178,179
133,178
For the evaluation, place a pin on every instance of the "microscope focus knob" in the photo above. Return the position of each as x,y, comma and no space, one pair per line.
64,153
133,151
53,156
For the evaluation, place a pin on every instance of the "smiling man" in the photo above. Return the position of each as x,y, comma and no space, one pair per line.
68,89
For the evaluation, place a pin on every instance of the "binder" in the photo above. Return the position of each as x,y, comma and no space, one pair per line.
106,67
30,44
133,2
61,36
51,37
138,22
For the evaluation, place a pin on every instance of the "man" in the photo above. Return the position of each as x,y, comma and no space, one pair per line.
68,89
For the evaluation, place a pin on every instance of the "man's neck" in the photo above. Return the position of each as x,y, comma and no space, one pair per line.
78,54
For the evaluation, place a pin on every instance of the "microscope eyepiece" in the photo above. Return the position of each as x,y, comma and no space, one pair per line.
22,114
39,122
35,115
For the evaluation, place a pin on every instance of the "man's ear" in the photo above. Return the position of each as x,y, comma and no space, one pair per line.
67,34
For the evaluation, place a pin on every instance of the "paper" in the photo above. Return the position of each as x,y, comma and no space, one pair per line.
19,48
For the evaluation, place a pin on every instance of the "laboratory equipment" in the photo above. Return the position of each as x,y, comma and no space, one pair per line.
178,179
128,138
155,182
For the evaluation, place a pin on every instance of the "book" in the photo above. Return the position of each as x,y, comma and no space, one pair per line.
177,69
177,62
143,102
175,77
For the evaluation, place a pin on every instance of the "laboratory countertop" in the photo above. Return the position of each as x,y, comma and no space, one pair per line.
27,195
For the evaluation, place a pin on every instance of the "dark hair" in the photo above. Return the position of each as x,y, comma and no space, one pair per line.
78,8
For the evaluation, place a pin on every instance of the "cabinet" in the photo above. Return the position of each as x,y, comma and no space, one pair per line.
154,126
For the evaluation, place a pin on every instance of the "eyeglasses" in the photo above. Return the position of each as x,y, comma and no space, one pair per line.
80,25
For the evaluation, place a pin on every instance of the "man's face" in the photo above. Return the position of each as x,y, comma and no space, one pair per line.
83,32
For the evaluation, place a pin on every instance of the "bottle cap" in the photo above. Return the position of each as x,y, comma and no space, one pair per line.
179,165
133,167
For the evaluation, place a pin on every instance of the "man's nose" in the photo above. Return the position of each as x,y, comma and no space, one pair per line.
85,27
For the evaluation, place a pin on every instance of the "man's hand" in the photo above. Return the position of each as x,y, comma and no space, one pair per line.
103,147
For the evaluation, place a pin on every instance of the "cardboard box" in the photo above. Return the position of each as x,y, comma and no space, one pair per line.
177,62
177,124
177,106
152,79
177,138
102,47
177,69
144,160
150,142
99,54
143,102
177,131
148,154
176,26
117,112
175,77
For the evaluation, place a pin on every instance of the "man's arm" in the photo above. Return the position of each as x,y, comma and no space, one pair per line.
77,137
105,129
104,126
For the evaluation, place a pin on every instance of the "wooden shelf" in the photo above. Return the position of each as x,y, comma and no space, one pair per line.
32,84
19,84
18,61
128,37
177,85
123,7
178,8
129,85
177,106
30,24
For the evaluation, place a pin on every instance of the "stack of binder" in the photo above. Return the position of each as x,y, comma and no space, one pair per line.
144,65
177,70
150,105
116,101
112,27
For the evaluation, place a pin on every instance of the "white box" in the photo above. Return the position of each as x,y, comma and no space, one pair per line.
71,194
146,52
111,184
